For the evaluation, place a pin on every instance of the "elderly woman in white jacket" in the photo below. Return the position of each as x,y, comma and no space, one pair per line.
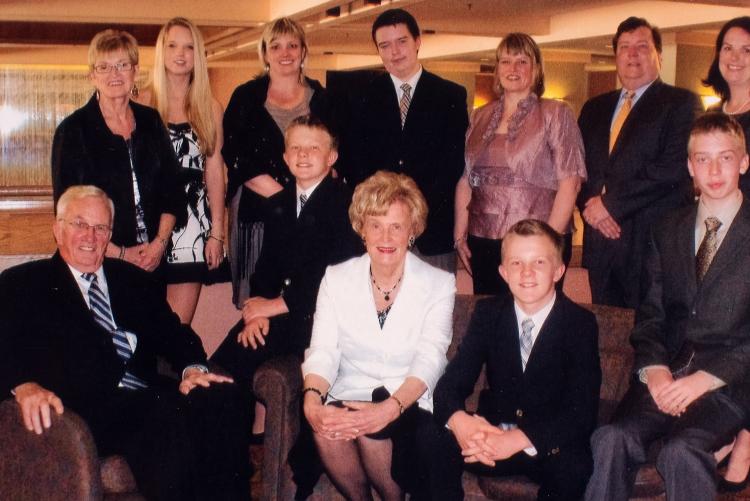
382,327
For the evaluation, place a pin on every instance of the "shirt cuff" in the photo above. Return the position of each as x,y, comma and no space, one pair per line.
200,367
643,372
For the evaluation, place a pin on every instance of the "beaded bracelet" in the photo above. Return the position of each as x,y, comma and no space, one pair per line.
314,390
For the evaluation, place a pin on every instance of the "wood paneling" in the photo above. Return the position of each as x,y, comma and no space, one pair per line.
26,217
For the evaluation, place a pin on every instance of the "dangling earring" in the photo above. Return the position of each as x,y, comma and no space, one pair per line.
411,242
134,91
97,94
267,68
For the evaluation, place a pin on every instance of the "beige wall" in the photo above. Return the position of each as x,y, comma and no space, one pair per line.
567,81
692,66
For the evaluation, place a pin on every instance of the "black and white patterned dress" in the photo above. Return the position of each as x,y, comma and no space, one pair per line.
185,258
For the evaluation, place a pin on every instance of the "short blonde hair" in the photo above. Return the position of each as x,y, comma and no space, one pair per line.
276,28
521,43
111,40
377,193
77,193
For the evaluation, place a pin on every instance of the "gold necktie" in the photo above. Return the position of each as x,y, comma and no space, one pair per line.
620,119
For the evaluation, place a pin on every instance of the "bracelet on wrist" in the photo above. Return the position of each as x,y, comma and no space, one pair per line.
220,240
121,255
314,390
458,241
400,405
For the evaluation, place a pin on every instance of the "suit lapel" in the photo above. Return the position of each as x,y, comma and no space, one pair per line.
388,105
66,292
419,100
736,240
685,250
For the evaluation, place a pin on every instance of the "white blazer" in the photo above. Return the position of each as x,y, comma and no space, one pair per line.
350,351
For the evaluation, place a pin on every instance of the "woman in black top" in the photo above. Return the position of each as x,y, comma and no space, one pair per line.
254,122
123,148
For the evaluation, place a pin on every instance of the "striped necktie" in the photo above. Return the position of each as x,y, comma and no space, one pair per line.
99,306
405,102
526,327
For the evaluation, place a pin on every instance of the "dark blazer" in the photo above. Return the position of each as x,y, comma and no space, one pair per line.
555,401
645,176
85,151
296,251
430,148
254,144
713,317
48,335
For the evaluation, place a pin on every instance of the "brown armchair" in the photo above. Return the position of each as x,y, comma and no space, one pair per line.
61,464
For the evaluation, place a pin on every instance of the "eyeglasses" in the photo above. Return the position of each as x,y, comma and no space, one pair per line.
103,68
101,230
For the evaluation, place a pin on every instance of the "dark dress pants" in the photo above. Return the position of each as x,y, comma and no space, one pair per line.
561,476
686,460
178,447
485,261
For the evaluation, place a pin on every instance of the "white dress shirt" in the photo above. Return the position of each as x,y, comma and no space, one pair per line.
308,193
397,82
350,351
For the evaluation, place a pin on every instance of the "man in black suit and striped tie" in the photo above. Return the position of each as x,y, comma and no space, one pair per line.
82,332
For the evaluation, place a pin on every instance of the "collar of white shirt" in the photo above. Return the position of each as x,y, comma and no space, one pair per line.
538,318
411,81
308,193
726,215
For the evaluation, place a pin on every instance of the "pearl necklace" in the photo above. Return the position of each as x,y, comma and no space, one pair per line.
737,111
386,294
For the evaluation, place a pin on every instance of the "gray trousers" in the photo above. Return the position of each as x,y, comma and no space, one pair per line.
686,460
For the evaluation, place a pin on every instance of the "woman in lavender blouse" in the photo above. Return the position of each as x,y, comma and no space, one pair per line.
524,159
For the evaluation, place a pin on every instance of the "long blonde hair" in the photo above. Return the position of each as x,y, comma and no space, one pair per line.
199,100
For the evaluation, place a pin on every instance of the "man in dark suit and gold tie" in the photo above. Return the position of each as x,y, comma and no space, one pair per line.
635,140
412,122
83,332
691,383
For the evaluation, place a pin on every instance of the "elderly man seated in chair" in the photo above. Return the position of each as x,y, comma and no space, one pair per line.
81,332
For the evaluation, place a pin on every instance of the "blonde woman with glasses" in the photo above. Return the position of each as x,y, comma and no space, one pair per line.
122,148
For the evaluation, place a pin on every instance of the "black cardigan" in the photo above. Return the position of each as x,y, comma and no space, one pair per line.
253,143
85,151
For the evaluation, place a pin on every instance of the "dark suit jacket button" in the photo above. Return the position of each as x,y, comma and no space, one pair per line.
519,413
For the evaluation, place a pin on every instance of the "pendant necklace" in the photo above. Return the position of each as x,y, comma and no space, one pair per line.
386,294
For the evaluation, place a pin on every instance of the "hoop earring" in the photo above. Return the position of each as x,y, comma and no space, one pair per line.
411,242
